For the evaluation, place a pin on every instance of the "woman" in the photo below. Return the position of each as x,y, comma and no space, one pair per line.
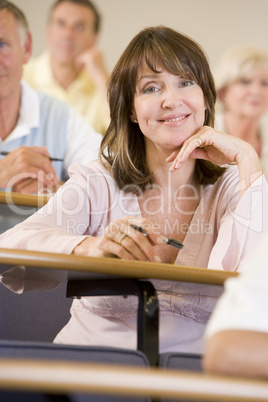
242,87
159,169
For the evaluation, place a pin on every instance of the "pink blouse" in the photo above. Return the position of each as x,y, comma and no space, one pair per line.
222,232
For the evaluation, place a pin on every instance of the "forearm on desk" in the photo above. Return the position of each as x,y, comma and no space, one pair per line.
237,352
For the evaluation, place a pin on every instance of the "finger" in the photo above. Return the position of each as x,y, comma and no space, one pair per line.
101,247
138,245
29,150
171,157
23,184
48,179
42,151
125,246
187,151
42,162
140,249
37,157
145,242
32,174
33,186
28,186
111,248
47,190
129,246
177,156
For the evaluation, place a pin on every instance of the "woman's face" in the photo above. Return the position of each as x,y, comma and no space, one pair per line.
248,97
168,108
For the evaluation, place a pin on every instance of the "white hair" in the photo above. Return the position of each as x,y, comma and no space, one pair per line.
238,63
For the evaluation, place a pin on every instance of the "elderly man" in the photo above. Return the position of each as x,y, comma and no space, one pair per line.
72,69
34,127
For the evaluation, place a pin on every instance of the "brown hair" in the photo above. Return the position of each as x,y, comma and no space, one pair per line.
123,145
86,3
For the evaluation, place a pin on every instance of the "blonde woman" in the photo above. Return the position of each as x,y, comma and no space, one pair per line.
242,87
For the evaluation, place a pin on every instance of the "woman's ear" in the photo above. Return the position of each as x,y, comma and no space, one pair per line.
133,117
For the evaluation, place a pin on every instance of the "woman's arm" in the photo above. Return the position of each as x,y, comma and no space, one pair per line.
84,217
220,148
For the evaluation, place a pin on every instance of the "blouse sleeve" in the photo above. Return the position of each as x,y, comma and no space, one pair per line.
241,227
74,212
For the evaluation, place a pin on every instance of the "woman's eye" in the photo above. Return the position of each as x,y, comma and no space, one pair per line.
187,83
245,81
149,90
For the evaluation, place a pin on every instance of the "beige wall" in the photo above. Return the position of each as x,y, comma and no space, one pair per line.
215,24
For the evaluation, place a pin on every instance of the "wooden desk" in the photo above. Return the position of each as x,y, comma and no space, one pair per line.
88,276
72,267
57,377
26,200
16,207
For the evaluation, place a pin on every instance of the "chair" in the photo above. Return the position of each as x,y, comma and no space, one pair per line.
16,207
180,361
34,316
93,354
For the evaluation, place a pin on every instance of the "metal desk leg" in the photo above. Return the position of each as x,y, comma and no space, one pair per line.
148,310
57,398
148,321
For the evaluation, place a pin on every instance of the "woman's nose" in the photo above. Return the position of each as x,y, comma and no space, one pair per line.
171,98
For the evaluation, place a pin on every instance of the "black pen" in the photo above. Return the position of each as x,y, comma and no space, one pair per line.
51,159
171,242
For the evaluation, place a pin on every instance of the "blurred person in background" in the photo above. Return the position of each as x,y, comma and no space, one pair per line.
242,88
72,69
33,125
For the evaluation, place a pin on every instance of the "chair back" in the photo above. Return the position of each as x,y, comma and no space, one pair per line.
92,354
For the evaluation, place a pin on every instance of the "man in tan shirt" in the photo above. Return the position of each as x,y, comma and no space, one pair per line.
72,69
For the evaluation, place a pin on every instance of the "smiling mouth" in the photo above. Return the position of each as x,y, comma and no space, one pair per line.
176,118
